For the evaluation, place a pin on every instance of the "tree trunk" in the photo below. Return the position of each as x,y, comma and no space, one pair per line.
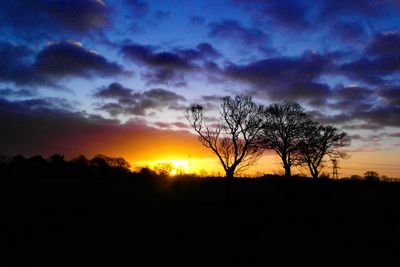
315,172
230,173
288,172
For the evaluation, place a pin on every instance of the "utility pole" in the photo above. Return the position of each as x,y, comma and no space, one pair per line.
335,169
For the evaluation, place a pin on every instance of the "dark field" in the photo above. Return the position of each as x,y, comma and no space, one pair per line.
120,221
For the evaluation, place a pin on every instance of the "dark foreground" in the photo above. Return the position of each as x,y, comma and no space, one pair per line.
61,221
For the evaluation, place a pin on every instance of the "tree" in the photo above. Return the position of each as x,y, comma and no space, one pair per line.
164,168
235,138
319,141
371,176
284,126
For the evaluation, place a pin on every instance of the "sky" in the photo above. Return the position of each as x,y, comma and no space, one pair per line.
114,77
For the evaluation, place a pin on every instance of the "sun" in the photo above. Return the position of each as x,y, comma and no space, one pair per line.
179,166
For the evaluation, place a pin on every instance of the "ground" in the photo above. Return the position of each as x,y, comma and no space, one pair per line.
283,222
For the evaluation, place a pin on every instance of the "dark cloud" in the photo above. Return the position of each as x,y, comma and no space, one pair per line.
229,29
130,102
15,65
68,58
349,31
170,67
305,15
287,13
42,17
20,65
352,98
374,118
396,135
281,78
114,90
380,60
391,95
384,44
371,71
361,8
41,127
8,92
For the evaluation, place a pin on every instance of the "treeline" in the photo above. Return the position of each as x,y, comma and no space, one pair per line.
244,130
100,166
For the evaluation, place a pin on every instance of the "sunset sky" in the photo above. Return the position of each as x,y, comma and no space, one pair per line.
114,77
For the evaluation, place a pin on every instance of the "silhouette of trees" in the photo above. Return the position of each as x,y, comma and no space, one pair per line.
284,125
318,141
102,161
371,176
164,168
235,138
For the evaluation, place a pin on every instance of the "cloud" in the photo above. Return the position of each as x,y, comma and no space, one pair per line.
69,58
8,92
20,65
380,60
41,18
305,15
170,67
229,29
131,102
286,13
374,118
166,125
39,127
282,78
349,31
391,95
352,98
15,65
384,44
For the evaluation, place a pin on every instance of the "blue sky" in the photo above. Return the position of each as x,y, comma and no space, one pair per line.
142,62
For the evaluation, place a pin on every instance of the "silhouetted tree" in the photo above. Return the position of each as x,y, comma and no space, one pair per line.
284,126
57,159
355,177
106,161
99,162
234,138
164,168
81,161
319,141
371,176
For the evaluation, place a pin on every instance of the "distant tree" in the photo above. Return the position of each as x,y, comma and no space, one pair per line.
317,142
284,126
355,177
235,138
164,168
371,176
103,160
81,161
99,162
57,159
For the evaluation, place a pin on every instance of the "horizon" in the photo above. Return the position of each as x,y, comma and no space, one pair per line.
114,77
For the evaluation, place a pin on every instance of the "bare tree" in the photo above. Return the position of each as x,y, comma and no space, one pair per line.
319,141
234,138
283,128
